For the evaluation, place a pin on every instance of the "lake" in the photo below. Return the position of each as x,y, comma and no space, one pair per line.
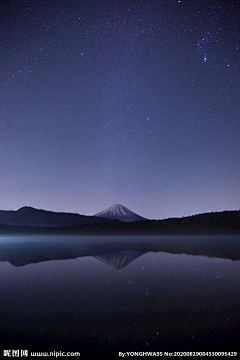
104,295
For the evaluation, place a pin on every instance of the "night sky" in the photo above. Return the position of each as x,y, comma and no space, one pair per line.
129,102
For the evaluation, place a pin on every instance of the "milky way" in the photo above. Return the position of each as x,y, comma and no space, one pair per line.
130,102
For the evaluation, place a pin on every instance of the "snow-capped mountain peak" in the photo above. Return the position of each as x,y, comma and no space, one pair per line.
119,212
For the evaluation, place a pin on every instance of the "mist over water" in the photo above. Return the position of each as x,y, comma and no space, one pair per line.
73,294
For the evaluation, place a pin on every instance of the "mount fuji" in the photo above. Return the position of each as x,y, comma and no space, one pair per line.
121,213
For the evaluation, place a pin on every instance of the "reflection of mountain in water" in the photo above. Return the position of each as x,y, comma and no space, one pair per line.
116,251
118,260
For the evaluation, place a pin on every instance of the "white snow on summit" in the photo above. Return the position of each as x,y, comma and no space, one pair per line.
119,212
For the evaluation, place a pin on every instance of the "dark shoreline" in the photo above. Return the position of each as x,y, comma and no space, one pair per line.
218,223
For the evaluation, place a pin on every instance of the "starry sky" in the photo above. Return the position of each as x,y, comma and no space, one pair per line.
120,101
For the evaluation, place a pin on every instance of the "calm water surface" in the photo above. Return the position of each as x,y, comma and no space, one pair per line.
102,295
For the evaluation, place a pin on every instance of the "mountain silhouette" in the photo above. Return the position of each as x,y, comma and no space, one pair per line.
29,216
116,220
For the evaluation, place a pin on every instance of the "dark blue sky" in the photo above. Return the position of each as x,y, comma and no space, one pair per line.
130,102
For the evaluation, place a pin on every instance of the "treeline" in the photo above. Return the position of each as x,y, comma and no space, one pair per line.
226,222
